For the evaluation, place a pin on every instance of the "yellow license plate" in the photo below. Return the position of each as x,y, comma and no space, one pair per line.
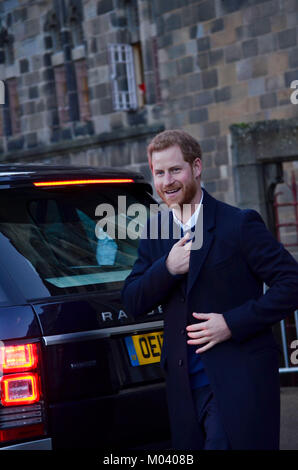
144,349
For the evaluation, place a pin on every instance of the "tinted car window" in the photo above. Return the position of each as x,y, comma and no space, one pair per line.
61,234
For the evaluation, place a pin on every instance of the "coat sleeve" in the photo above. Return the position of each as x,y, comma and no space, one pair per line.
273,264
149,283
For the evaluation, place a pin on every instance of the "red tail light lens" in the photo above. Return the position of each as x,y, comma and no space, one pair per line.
19,389
86,181
19,357
21,432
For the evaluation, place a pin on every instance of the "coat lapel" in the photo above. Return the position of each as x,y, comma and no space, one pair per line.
197,256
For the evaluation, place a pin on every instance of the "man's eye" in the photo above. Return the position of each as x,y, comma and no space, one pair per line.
175,170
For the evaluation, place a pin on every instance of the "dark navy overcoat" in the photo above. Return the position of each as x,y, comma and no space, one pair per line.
225,276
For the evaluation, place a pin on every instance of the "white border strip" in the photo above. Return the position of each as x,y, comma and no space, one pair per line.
102,333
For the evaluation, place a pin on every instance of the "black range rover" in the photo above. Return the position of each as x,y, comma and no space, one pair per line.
76,370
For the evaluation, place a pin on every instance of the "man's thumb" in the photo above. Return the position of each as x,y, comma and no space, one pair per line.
183,240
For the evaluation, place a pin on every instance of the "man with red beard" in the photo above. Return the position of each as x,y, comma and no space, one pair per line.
219,355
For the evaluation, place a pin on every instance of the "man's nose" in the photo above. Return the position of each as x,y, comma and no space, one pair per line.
168,179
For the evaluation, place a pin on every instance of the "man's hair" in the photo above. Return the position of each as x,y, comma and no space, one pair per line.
189,146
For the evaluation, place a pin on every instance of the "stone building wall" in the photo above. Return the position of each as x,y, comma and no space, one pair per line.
204,65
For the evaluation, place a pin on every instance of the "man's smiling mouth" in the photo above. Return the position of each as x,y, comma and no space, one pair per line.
172,191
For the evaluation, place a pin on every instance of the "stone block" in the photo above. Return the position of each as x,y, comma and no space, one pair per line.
232,53
268,101
277,62
217,25
287,38
209,78
293,58
197,31
176,51
101,91
165,40
32,78
203,44
32,27
259,26
138,117
15,144
193,83
250,48
48,43
210,129
279,23
207,145
31,139
198,115
212,173
185,65
168,70
33,92
204,11
227,74
223,38
203,99
267,43
203,61
251,68
106,106
256,86
216,57
221,158
178,87
290,76
178,120
24,66
222,94
104,6
274,83
172,22
187,17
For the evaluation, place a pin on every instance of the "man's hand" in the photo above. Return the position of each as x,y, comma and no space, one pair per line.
211,331
177,261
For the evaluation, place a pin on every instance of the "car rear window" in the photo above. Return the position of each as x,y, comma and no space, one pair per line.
69,239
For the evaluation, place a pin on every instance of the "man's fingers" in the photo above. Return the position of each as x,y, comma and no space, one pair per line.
197,334
202,316
205,339
205,348
197,326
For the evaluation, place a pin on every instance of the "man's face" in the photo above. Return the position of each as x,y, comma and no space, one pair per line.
176,181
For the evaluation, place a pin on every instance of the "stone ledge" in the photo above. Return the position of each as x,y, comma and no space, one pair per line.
105,138
266,141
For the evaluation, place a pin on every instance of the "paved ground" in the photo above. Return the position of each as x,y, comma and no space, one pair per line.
289,418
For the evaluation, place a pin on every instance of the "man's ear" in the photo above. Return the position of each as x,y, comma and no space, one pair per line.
197,167
150,164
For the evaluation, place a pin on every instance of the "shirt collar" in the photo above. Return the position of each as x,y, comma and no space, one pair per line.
192,220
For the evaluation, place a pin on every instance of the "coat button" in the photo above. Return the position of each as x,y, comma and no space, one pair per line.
182,332
182,299
180,362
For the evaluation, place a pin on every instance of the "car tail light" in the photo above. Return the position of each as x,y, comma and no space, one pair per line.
85,181
19,357
21,408
19,389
